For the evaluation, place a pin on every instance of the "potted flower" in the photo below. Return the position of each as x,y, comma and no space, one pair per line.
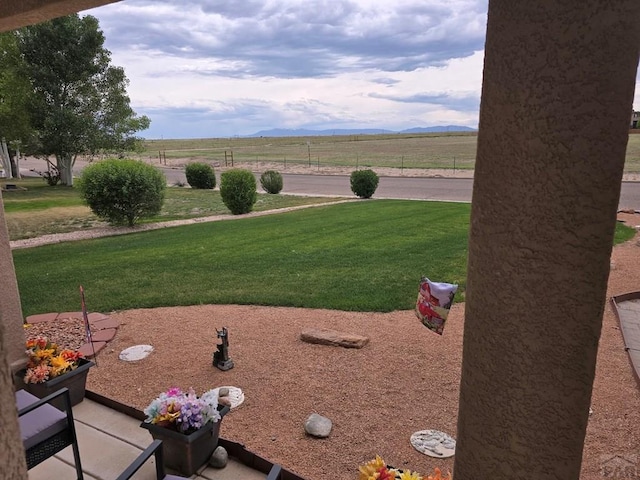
188,426
376,469
50,368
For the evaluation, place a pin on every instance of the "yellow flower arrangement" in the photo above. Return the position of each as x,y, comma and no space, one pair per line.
377,469
47,360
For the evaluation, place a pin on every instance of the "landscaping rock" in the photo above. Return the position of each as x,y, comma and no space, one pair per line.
219,458
325,336
223,392
318,426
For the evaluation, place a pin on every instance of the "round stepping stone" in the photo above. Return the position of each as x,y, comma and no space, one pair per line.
434,443
137,352
236,397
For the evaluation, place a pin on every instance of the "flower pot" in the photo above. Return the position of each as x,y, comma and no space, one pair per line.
186,453
75,381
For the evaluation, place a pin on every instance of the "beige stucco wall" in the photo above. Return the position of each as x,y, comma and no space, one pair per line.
543,216
10,307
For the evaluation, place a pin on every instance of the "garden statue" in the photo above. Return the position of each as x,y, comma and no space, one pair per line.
221,356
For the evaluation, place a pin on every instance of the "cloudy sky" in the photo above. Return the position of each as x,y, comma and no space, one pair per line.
214,68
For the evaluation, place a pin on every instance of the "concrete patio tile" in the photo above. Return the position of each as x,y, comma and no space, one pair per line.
41,317
109,441
112,422
104,456
231,471
55,468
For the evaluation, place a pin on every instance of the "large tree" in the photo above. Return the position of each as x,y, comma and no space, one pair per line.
15,91
80,104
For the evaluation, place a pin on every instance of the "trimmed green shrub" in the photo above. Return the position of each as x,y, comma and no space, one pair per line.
200,175
364,183
238,190
122,191
271,181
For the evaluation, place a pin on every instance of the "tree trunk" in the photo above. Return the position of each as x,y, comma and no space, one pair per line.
17,162
65,167
6,160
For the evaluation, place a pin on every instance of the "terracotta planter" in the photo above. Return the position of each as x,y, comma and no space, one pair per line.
187,453
74,380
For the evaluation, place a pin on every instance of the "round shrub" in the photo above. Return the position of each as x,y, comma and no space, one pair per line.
238,190
271,181
364,183
200,175
122,191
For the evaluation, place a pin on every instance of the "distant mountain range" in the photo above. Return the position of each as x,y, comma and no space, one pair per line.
299,132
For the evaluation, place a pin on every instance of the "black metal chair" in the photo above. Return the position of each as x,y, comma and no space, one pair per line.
155,449
45,429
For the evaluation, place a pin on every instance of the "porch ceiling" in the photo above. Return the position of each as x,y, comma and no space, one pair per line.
17,14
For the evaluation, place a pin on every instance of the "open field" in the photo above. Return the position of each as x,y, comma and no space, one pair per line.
423,151
393,151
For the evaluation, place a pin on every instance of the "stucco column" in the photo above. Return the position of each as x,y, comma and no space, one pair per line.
10,307
14,465
556,101
11,352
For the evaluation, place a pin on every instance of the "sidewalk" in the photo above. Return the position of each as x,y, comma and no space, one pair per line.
109,441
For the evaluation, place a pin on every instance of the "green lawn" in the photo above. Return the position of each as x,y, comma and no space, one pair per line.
360,256
363,256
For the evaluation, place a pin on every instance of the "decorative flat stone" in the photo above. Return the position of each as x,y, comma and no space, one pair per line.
135,353
434,443
104,328
70,315
325,336
42,317
91,351
104,324
96,316
105,335
235,396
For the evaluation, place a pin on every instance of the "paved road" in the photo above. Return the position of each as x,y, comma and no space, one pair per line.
421,188
450,189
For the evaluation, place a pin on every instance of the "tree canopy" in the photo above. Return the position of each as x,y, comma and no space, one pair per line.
77,102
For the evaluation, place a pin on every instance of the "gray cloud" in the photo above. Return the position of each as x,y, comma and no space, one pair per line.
385,81
458,102
316,38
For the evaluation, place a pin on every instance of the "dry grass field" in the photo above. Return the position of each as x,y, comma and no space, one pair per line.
433,151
